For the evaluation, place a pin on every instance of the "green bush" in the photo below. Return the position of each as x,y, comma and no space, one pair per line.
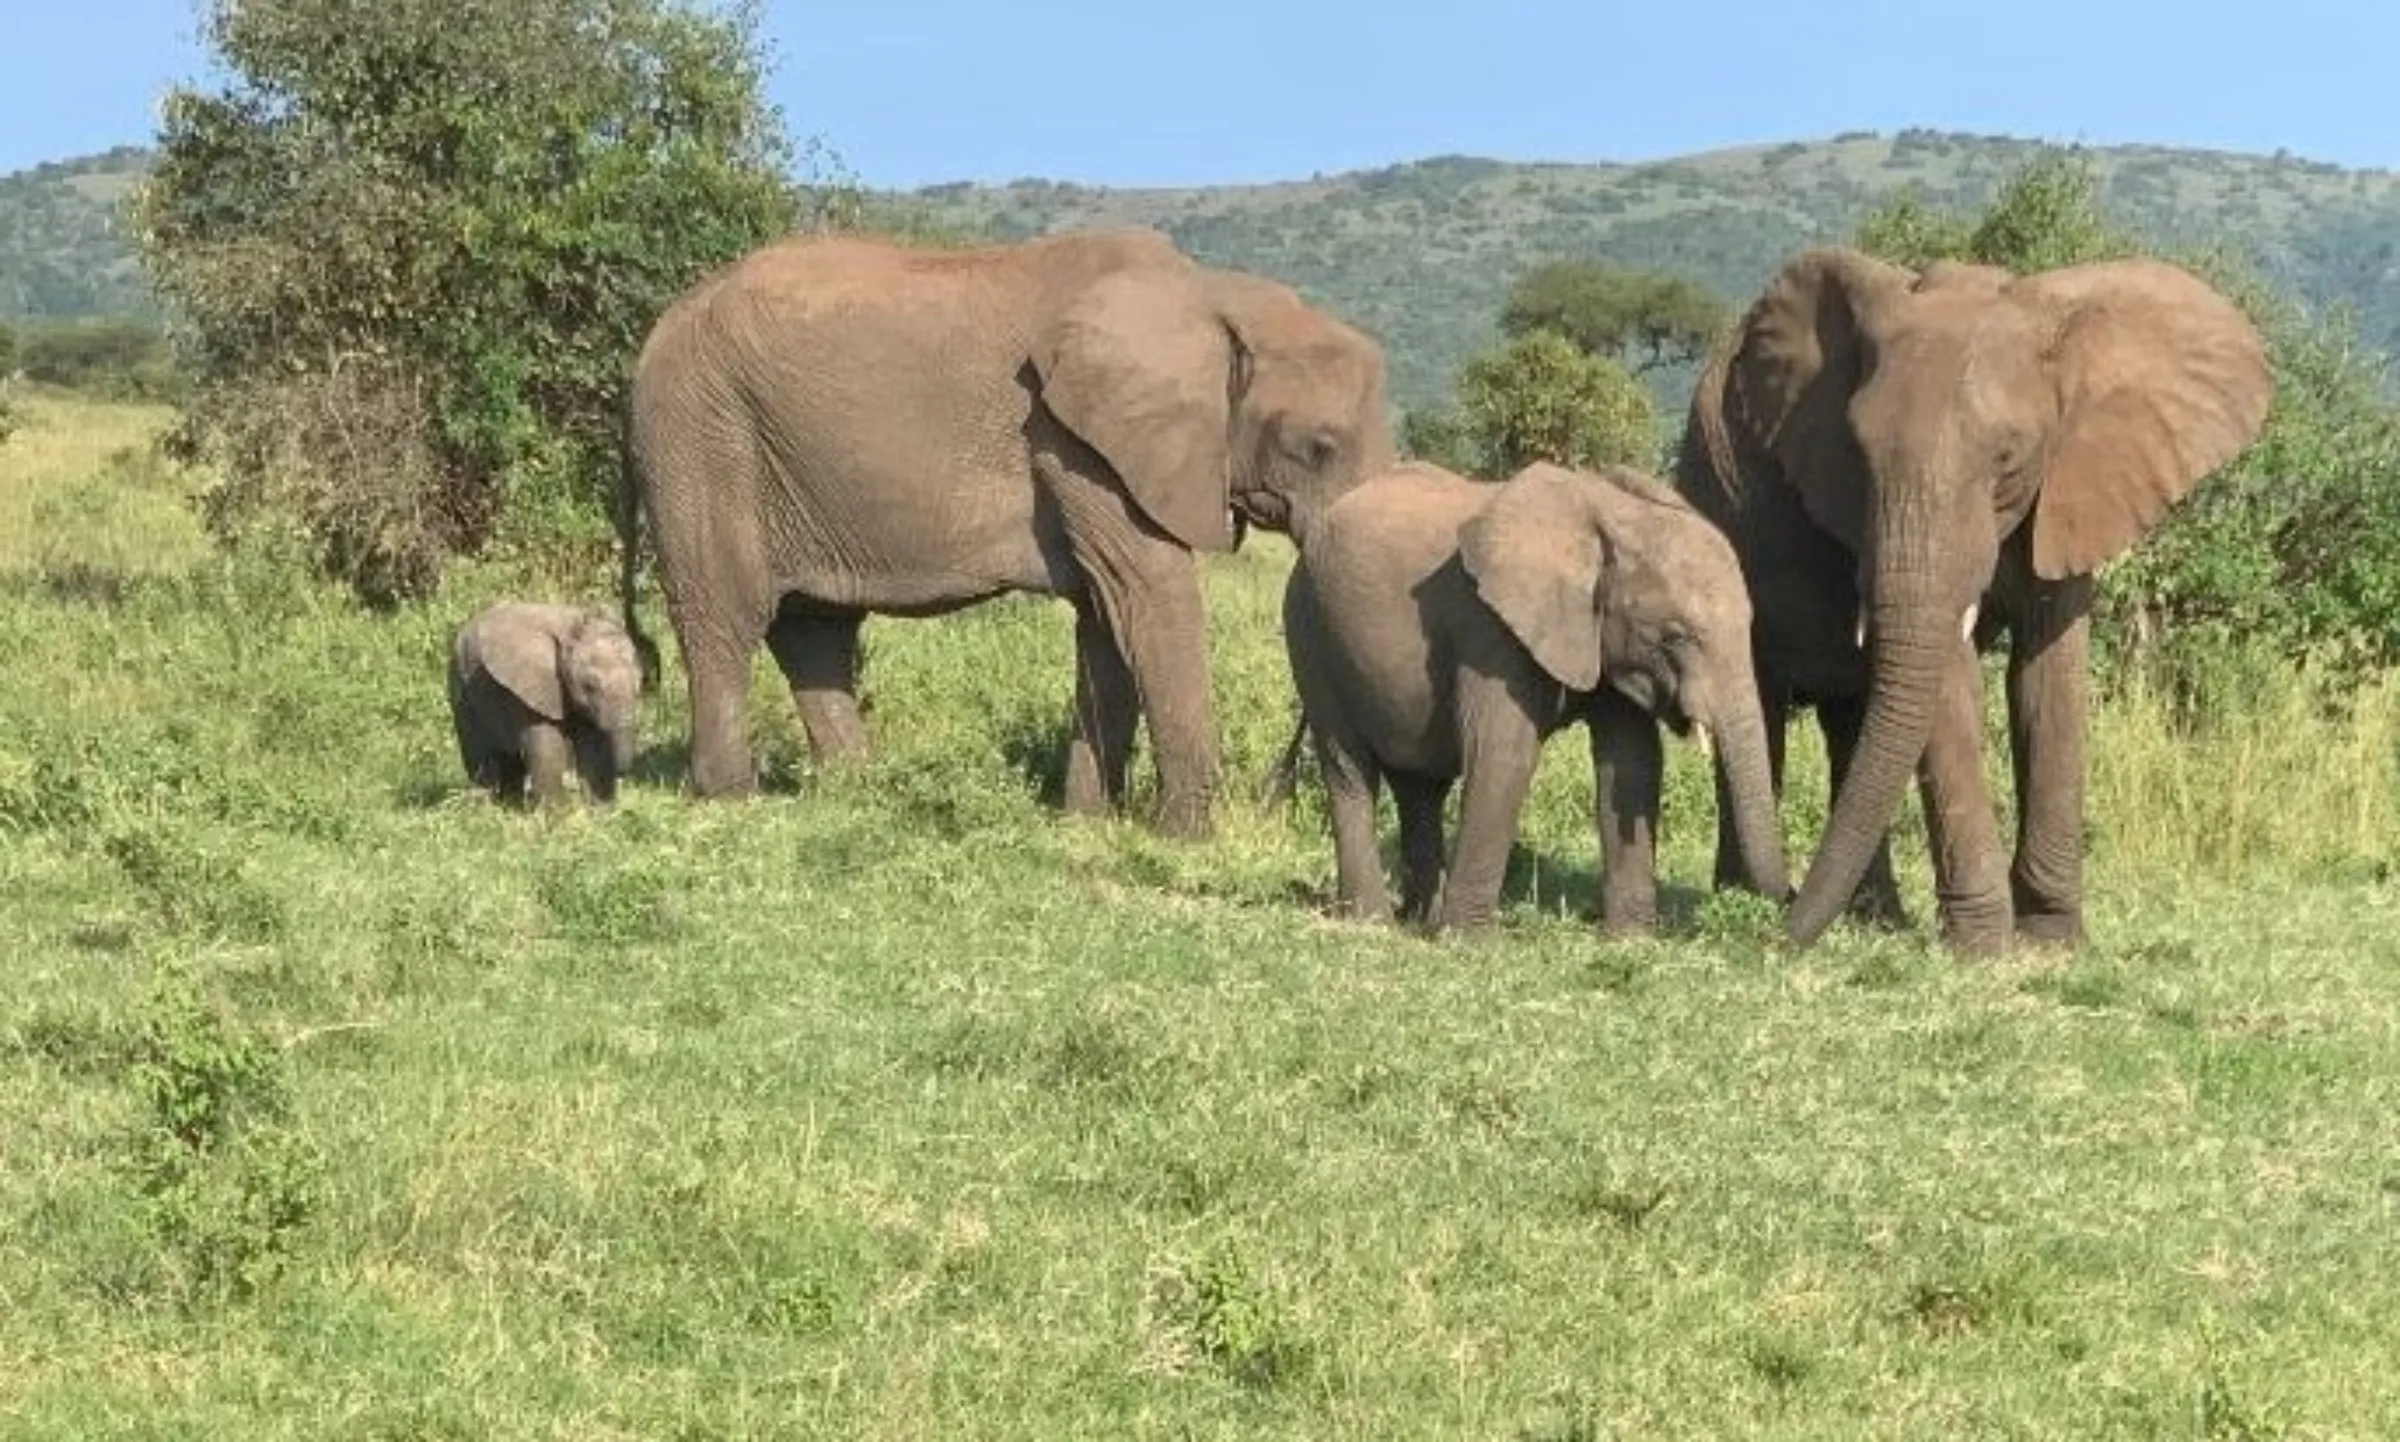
412,248
1539,397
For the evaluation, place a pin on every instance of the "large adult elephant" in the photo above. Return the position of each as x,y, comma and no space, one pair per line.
1910,464
838,426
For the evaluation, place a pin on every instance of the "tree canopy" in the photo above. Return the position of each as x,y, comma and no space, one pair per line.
1640,319
409,249
1538,398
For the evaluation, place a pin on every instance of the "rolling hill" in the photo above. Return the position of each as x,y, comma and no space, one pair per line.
1420,253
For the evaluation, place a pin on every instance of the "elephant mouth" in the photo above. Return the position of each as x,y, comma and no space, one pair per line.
1264,509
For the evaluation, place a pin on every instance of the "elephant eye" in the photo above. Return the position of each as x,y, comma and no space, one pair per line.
1316,449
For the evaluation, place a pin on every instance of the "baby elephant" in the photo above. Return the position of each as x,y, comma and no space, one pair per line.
531,682
1441,628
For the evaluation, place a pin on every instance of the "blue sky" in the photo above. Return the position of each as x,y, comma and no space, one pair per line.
1241,90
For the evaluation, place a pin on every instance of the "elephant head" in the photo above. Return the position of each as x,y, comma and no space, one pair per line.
584,667
1925,420
1611,578
1222,400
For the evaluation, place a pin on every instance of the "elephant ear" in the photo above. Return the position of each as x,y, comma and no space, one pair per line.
1141,369
1796,364
2161,380
1536,554
523,657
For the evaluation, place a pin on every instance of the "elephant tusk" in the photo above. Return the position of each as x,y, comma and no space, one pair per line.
1706,743
1966,623
1858,635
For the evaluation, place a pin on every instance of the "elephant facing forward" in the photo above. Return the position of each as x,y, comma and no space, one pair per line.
834,427
1440,629
1910,464
536,689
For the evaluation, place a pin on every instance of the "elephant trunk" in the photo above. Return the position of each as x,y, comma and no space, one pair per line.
1913,641
1749,783
620,748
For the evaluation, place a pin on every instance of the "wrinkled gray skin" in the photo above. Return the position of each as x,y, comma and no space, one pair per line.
1440,629
836,426
537,689
1914,464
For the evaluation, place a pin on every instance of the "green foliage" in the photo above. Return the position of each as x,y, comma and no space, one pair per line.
1538,398
412,249
2296,545
2047,215
225,1179
1640,319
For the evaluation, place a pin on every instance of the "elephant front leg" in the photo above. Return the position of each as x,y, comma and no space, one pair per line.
546,751
1627,764
2049,688
1106,711
1502,745
1165,634
1970,882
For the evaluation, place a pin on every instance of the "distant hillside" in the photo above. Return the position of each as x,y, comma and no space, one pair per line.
63,250
1421,253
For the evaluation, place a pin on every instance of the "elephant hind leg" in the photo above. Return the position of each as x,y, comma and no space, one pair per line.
1877,899
817,651
717,669
1419,800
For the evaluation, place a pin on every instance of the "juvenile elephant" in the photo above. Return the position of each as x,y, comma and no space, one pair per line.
1910,464
1440,629
533,687
837,426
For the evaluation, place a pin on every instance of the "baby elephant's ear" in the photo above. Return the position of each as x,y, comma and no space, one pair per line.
524,657
1535,553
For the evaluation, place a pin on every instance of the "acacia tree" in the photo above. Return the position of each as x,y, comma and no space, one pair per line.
1640,319
409,250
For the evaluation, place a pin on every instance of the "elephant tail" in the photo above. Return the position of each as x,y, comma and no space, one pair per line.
628,517
1283,782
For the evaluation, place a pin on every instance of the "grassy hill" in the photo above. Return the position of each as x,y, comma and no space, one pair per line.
1421,253
63,249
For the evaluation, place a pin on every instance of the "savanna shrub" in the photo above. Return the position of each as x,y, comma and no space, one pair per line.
118,358
1539,397
411,248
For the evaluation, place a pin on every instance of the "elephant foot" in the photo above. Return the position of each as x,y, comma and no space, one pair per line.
1976,932
1628,916
1878,908
2059,929
1184,819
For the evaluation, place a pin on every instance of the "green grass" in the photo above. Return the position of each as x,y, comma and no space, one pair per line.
335,1102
